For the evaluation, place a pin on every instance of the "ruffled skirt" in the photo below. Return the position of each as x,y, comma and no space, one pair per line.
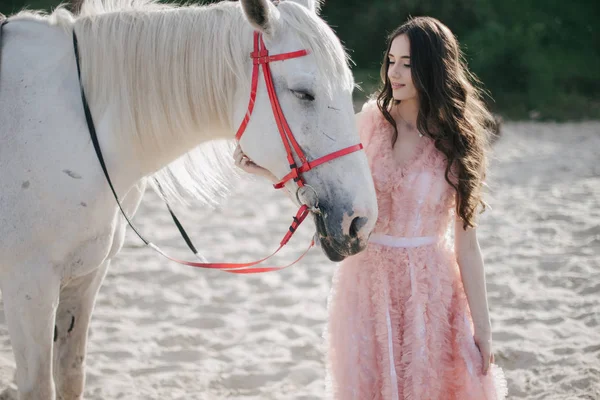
399,328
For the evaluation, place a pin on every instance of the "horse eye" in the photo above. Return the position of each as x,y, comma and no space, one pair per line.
302,95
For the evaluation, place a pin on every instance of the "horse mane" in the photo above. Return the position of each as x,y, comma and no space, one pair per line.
157,56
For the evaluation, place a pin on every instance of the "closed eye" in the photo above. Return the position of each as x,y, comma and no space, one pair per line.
303,95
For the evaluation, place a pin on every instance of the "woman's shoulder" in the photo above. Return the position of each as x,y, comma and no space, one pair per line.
369,116
370,108
366,121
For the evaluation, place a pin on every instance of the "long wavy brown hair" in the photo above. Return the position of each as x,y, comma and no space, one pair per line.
451,109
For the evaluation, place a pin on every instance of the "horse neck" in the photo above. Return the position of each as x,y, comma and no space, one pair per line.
163,82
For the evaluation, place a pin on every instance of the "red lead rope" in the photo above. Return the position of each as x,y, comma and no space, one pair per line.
246,268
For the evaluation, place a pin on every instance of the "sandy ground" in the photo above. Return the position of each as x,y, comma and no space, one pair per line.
164,331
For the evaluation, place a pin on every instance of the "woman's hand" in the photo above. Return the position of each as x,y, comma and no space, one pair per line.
244,163
483,340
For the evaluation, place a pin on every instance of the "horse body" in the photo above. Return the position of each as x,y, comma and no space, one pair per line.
48,168
59,223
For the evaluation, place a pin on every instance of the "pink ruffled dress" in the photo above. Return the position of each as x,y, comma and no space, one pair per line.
399,323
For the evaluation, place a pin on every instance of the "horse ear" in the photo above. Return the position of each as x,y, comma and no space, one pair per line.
312,5
261,14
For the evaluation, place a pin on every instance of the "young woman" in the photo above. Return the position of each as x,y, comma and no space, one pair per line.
408,317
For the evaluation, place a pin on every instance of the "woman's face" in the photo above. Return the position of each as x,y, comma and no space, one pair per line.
399,72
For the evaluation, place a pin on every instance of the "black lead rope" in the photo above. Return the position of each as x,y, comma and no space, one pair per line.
182,231
92,129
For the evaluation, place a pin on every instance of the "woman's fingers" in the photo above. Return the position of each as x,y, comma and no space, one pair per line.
485,350
244,163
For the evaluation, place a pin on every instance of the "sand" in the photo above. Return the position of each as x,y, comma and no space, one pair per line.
165,331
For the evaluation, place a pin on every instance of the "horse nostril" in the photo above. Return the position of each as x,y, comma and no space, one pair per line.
356,225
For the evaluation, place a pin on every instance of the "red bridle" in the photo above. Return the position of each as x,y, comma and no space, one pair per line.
260,56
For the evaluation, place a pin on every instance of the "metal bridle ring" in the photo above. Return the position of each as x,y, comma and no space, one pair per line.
313,208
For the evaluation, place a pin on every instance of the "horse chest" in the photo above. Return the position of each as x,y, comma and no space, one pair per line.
90,253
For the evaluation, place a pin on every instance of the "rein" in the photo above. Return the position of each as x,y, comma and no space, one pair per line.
261,58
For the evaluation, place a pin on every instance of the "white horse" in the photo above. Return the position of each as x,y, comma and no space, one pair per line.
160,81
